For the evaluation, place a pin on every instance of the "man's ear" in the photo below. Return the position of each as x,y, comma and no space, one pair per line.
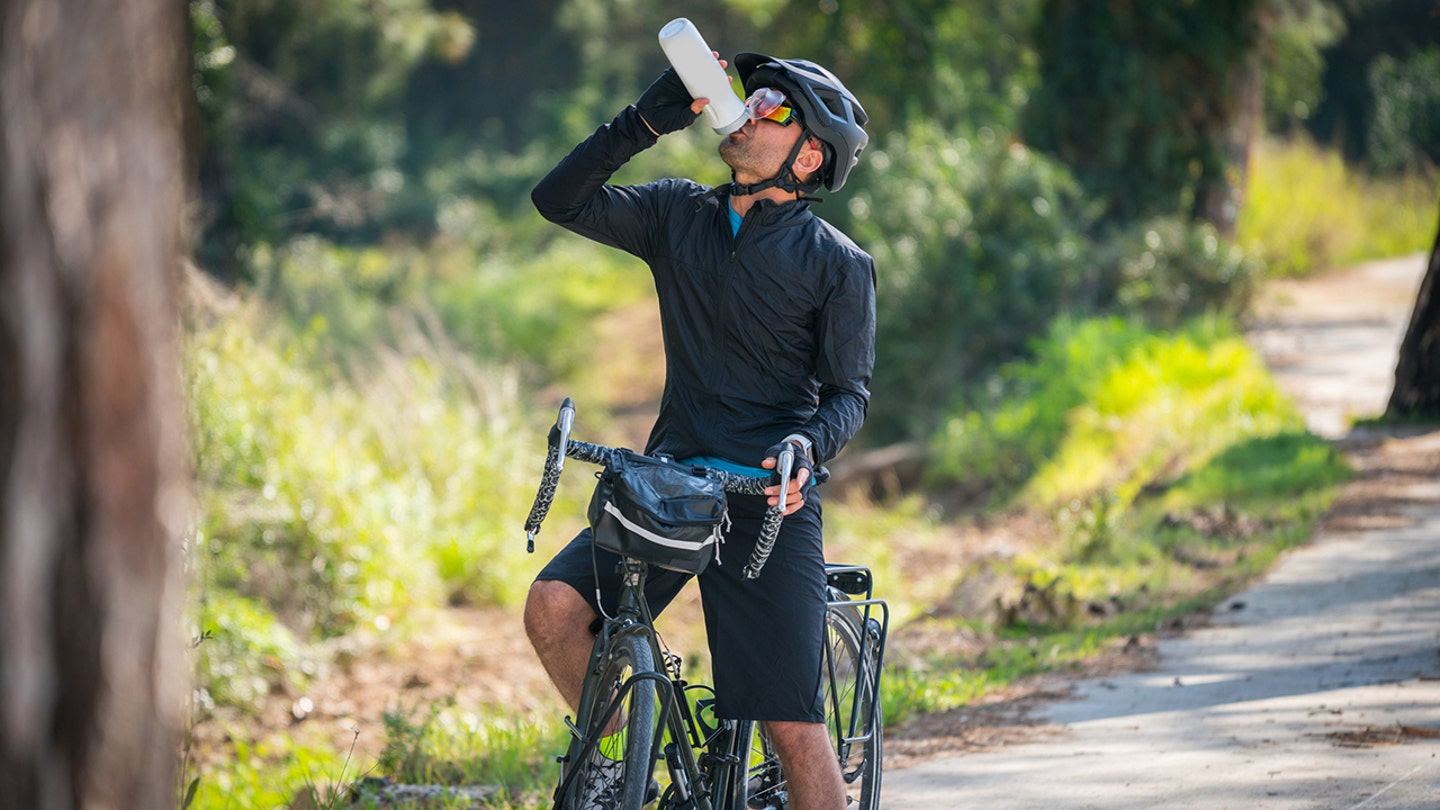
809,160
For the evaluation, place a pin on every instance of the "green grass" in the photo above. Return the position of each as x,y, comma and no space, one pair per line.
1174,472
277,773
443,746
1306,210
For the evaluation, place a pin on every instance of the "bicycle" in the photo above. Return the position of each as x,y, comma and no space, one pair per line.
648,713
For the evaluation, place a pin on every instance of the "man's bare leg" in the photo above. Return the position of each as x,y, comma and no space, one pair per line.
811,768
557,620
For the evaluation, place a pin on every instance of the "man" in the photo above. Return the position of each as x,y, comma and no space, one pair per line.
768,317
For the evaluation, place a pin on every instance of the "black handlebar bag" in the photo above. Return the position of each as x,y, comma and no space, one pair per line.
657,510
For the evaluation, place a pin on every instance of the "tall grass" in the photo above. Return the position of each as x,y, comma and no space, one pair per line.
334,497
1306,210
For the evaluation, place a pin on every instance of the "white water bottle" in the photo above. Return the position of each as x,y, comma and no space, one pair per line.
702,74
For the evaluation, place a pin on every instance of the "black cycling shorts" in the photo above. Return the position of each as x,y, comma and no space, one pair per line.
766,635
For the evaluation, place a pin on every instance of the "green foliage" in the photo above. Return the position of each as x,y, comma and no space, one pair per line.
1108,406
1307,211
978,245
1174,469
1167,271
1405,131
529,306
958,65
1374,31
1265,469
330,499
1165,406
298,105
1296,62
278,773
247,653
1138,101
539,309
1003,438
446,747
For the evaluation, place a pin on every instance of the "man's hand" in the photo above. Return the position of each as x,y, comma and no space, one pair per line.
799,480
666,106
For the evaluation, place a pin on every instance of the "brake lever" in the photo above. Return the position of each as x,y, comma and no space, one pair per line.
565,422
784,466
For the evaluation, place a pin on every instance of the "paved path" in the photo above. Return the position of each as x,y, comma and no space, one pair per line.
1320,688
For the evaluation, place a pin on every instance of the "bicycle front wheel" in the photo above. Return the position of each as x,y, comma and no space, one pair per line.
608,764
852,716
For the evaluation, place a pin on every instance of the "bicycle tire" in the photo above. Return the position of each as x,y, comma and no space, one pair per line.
861,762
625,785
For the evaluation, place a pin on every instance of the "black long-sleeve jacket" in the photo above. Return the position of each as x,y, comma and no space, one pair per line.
767,332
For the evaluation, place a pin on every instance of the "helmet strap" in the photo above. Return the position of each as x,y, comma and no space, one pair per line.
785,180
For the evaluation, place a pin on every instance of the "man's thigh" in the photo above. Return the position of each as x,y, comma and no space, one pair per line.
767,634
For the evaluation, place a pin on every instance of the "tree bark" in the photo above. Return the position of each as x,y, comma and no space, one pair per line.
93,498
1416,394
1222,193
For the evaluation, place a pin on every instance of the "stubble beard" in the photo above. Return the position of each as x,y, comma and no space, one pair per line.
742,156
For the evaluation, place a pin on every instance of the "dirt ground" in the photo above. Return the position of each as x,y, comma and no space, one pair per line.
479,658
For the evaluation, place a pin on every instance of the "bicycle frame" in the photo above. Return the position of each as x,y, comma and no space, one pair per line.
709,765
677,747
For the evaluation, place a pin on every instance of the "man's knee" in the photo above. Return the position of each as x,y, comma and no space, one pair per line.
799,740
553,610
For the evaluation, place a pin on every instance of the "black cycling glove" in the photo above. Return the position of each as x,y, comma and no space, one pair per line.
665,106
802,461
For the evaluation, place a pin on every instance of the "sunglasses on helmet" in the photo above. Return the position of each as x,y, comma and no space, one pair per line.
769,104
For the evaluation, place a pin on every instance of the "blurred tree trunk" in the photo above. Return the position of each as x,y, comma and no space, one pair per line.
1417,373
1221,192
92,492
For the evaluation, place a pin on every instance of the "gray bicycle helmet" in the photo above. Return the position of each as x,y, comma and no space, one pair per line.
828,110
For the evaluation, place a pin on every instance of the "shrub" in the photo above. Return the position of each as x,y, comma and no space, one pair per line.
978,244
1168,271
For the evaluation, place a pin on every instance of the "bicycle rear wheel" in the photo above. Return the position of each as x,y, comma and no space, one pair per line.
608,764
852,715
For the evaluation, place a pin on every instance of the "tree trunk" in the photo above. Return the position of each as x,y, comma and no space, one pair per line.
1221,193
1417,373
92,493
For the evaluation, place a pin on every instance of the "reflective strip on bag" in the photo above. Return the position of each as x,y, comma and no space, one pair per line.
658,539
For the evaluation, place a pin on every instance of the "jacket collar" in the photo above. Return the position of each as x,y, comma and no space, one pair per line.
770,212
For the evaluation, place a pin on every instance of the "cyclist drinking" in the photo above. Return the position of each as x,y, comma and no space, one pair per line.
768,317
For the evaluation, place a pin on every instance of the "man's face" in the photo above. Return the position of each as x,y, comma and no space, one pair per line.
757,150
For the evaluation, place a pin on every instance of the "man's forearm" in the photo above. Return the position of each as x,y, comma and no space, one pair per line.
563,194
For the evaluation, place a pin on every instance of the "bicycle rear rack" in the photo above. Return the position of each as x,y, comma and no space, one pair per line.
856,580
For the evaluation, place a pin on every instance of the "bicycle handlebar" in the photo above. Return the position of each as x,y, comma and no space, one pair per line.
562,445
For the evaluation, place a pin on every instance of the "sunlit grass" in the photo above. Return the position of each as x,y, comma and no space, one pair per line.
278,773
1306,210
444,746
1174,471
